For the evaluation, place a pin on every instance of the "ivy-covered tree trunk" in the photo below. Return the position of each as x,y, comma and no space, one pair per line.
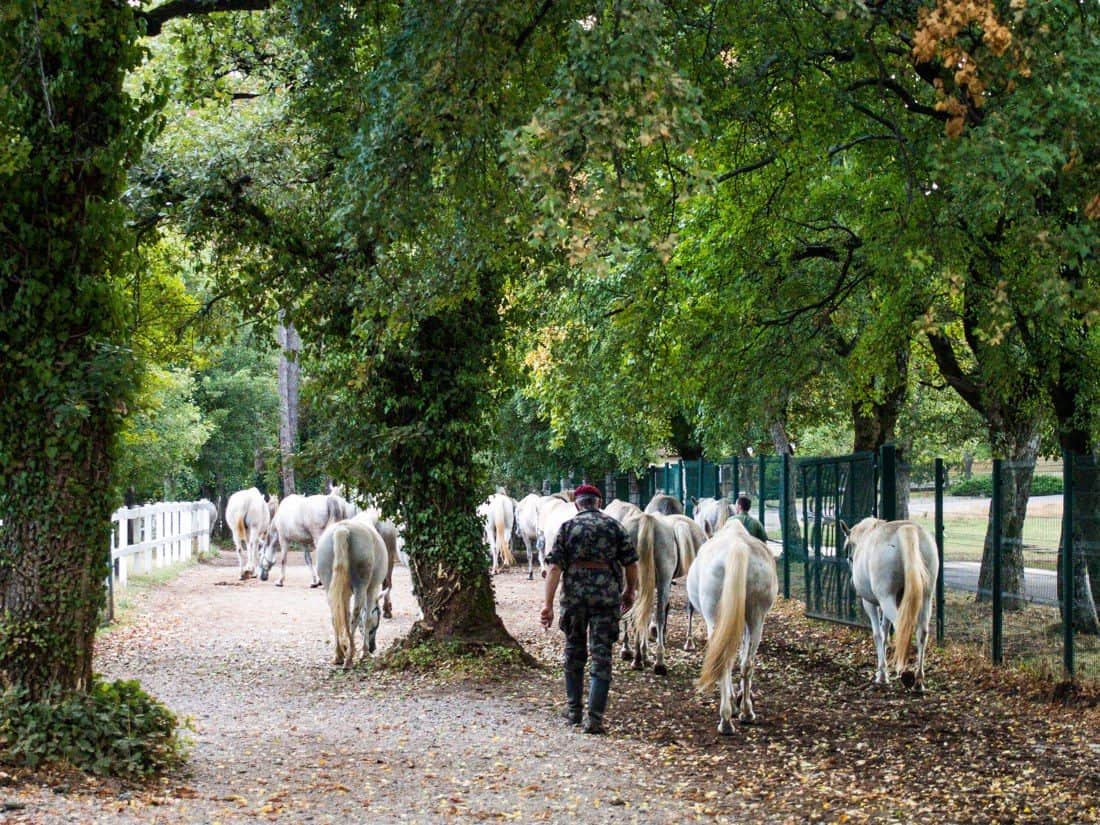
66,128
435,405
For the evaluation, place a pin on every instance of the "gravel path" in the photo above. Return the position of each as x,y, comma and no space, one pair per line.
280,735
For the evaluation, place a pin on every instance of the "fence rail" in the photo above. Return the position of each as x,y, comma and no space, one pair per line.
155,535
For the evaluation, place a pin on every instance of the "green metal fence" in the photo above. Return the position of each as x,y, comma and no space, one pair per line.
1003,565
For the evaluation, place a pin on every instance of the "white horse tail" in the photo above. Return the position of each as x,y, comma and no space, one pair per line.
335,509
725,642
721,515
916,584
686,547
339,592
504,536
647,575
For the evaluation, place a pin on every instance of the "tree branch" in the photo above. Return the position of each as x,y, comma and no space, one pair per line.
967,388
173,9
741,170
911,103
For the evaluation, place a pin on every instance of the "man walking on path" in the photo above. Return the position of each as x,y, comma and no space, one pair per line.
744,515
591,554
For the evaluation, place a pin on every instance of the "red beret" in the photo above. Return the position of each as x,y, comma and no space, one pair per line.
587,490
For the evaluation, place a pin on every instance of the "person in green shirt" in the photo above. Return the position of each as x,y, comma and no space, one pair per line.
743,507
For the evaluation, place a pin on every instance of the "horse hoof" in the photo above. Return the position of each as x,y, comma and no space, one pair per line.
278,584
387,614
689,647
746,718
660,670
530,577
725,727
315,584
908,679
544,574
638,665
626,656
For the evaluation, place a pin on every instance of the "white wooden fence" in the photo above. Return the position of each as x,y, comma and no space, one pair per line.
156,535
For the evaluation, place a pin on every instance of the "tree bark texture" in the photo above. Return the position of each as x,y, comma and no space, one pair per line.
65,371
289,370
1019,439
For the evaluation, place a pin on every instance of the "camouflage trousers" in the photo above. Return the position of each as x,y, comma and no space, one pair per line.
590,630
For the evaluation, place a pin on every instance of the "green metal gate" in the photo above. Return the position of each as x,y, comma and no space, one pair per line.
830,491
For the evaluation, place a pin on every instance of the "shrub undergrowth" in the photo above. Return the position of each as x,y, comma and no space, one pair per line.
115,729
983,486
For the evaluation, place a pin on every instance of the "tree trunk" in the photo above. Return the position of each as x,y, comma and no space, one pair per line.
430,394
1085,474
777,428
65,372
874,424
1019,440
289,369
1075,427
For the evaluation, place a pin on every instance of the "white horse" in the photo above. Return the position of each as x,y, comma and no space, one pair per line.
664,504
248,517
690,539
553,513
389,533
621,510
303,520
527,526
712,514
894,569
734,585
499,513
353,562
655,538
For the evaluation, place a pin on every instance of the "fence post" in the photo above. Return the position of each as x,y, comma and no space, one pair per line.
941,478
762,487
1066,572
785,523
145,534
889,480
998,618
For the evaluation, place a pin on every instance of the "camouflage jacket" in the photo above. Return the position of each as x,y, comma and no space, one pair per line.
592,536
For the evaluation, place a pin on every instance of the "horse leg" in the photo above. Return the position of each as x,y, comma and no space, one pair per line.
247,565
314,579
725,704
659,668
284,548
639,648
625,653
923,622
690,643
749,644
240,556
878,631
530,559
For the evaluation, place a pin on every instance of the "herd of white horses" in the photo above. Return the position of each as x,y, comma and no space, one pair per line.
730,575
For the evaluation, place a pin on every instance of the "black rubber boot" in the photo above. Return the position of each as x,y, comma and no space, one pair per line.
573,686
597,704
